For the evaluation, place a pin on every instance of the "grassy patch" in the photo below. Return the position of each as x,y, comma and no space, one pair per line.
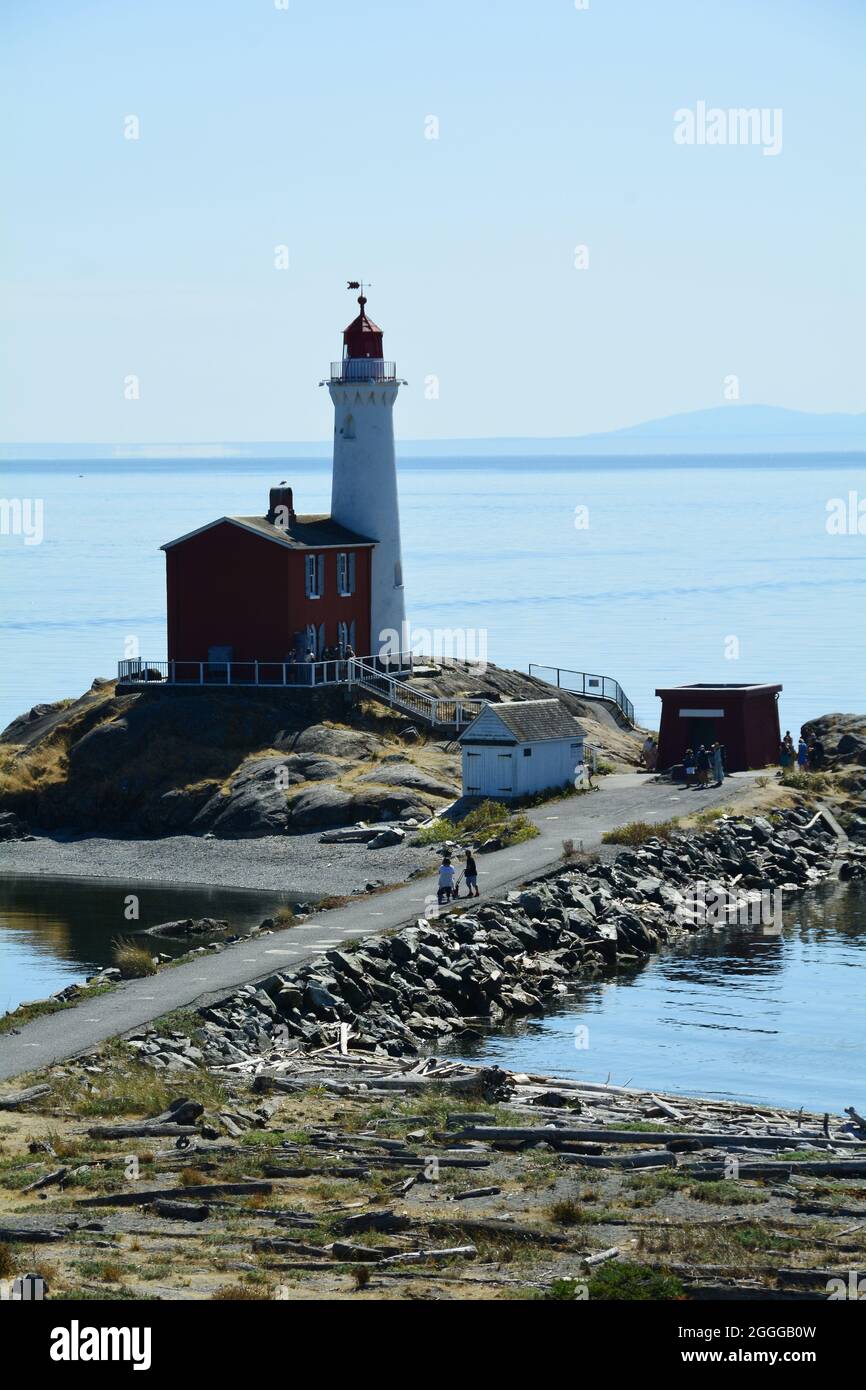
637,832
491,818
567,1212
816,783
622,1281
132,960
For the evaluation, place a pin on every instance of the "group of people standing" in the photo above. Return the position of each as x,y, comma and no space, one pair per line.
709,760
449,883
808,756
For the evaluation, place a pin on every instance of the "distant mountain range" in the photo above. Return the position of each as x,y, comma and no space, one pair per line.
723,430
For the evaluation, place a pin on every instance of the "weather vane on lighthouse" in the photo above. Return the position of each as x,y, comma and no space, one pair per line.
358,285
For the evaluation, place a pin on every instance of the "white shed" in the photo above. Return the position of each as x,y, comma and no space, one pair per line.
519,747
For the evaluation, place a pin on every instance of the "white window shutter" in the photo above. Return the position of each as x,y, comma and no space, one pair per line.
351,584
352,635
320,587
321,643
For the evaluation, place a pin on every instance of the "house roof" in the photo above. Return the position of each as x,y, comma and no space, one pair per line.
718,688
531,721
304,533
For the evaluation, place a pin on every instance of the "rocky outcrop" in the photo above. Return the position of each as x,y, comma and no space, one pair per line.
324,807
402,993
843,737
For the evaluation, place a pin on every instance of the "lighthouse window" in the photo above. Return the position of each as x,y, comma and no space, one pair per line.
345,573
314,566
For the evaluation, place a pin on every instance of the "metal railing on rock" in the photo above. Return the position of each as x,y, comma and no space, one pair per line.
593,687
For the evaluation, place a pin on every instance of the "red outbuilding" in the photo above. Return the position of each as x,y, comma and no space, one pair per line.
267,589
744,718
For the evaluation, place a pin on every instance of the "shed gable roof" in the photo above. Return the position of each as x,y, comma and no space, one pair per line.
530,721
304,533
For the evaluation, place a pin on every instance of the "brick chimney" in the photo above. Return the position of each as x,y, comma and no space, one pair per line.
281,507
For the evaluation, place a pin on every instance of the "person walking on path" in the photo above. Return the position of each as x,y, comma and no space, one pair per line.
446,881
817,755
802,754
786,754
471,873
718,764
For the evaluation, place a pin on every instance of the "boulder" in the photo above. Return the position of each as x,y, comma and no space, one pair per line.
391,836
334,742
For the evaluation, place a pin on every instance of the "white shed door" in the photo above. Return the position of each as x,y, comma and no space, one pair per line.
504,773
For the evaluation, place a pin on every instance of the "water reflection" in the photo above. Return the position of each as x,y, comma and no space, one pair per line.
776,1018
53,931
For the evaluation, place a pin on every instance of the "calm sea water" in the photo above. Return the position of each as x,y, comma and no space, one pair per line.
55,930
774,1019
684,563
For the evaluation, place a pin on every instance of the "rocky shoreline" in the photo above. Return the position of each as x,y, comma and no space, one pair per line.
399,994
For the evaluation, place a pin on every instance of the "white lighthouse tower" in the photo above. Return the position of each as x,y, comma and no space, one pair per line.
364,387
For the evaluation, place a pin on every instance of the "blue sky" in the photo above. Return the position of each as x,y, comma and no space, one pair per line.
305,127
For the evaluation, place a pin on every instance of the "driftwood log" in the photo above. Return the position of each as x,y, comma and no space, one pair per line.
205,1191
547,1134
16,1098
181,1211
143,1129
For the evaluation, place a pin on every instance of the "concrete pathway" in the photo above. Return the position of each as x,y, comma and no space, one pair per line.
622,797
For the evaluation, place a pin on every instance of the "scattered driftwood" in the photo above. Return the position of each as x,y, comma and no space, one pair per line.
602,1256
205,1190
363,1254
476,1192
373,1221
16,1098
666,1109
858,1119
487,1082
843,1168
547,1134
454,1252
274,1245
29,1234
182,1111
48,1181
650,1158
142,1129
279,1170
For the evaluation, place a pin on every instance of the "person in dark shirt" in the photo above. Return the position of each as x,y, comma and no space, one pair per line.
471,875
703,765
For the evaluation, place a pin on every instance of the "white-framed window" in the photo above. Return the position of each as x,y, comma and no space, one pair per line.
314,572
345,573
312,642
342,636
